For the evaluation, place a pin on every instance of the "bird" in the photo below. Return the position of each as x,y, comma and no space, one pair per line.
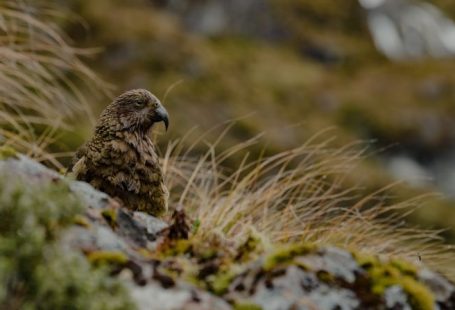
120,159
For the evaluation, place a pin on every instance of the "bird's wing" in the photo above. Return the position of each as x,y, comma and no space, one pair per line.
79,168
78,165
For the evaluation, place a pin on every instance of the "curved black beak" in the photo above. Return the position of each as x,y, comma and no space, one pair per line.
162,116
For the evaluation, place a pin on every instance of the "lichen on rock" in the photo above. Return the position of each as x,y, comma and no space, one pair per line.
131,255
35,270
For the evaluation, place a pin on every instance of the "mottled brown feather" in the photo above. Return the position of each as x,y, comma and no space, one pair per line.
120,159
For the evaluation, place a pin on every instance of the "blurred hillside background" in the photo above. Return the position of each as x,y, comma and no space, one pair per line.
378,71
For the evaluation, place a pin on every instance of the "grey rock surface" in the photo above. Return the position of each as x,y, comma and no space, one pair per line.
325,278
155,297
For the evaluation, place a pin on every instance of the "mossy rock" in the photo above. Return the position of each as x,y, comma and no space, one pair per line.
7,152
285,255
397,272
102,258
37,273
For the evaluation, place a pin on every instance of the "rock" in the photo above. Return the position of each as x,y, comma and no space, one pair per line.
405,168
334,261
297,289
443,290
395,298
133,226
152,224
95,238
109,229
154,297
332,278
28,170
158,270
106,227
89,196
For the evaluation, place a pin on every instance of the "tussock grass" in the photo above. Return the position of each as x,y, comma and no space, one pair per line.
43,82
297,196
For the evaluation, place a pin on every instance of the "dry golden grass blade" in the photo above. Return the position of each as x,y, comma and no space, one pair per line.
294,196
43,82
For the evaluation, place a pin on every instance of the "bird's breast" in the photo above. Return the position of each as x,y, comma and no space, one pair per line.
137,148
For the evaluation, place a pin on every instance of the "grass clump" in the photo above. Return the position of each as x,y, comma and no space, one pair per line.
295,197
43,82
35,271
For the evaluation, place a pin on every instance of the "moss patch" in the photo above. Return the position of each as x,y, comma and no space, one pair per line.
99,258
220,282
246,306
285,255
110,215
81,221
35,272
397,272
7,152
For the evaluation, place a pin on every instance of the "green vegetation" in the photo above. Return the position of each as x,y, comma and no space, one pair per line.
246,306
7,152
220,282
99,258
35,271
110,215
248,199
286,254
397,272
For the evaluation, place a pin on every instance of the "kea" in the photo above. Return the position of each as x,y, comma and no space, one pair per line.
120,159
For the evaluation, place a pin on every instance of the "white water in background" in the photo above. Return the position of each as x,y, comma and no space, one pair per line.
439,174
407,29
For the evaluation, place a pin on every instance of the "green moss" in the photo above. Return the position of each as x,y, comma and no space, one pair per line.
35,272
244,305
364,260
107,258
81,221
286,255
110,215
220,282
404,267
251,246
421,296
207,254
396,272
176,248
195,227
325,277
204,263
7,152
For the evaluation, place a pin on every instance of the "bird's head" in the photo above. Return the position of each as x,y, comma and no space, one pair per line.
135,110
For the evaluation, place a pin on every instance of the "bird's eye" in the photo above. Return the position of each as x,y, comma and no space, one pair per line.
139,104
